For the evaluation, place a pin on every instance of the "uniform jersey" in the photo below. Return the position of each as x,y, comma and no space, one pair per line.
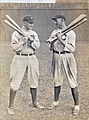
64,62
27,58
18,46
69,40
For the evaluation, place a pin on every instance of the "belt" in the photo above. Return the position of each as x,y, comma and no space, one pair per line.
25,54
62,52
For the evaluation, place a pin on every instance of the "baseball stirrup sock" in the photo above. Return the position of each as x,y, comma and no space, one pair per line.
33,94
75,95
11,98
56,93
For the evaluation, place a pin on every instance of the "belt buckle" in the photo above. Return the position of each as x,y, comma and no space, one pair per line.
30,54
62,52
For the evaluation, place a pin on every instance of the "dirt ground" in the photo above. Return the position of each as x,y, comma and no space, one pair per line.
23,106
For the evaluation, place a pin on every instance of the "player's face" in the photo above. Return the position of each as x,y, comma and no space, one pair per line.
28,25
59,22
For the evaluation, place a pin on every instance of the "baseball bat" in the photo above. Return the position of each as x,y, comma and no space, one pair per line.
16,27
74,22
78,21
13,22
11,25
76,25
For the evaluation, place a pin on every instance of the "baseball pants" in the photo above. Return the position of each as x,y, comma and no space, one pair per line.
18,68
64,63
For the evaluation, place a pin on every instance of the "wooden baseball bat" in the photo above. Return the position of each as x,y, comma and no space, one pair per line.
11,25
16,27
78,21
76,25
13,22
74,22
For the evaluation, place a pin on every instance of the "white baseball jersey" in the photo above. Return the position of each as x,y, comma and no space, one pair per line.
21,62
64,62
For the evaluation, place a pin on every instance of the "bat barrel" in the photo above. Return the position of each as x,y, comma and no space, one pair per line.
79,21
70,27
75,25
12,26
14,23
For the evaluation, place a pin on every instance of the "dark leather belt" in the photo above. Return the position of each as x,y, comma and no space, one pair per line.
62,52
25,54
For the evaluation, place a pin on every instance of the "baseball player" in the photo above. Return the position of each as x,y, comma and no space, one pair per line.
63,61
25,58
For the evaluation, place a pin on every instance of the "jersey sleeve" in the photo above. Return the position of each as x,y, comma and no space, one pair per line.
52,36
36,43
16,44
70,44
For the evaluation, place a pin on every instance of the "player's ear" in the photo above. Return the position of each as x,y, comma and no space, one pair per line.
62,19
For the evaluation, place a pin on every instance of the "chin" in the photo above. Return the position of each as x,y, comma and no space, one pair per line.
57,25
30,28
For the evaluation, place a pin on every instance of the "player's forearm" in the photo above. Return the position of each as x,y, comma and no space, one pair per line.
35,44
17,46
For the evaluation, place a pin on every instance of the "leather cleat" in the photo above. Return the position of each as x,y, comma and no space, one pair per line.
52,106
37,105
75,112
10,111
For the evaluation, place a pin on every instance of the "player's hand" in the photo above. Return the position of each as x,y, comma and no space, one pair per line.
23,39
31,38
59,36
62,37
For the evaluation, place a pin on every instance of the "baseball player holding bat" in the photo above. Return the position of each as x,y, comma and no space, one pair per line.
63,61
25,57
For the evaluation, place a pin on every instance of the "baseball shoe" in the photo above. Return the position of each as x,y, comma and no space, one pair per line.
54,105
37,105
75,112
10,111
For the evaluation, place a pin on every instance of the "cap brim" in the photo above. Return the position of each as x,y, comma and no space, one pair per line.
54,18
32,21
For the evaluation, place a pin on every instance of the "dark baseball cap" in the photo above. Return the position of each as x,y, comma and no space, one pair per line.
58,16
29,19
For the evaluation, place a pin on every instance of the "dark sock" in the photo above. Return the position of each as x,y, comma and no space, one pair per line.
11,98
56,93
33,94
75,95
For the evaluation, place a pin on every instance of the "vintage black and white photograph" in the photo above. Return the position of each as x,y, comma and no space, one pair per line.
44,61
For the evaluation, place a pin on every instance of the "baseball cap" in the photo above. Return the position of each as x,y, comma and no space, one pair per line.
58,16
29,19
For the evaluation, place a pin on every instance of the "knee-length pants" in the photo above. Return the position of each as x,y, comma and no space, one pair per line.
18,68
64,63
